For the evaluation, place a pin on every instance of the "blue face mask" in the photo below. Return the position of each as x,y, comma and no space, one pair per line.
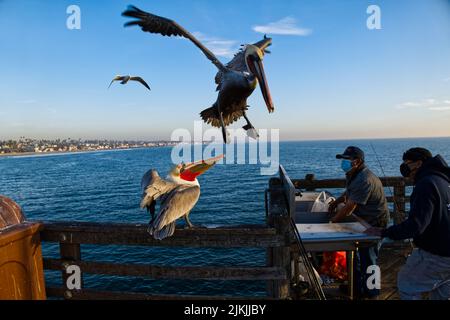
346,165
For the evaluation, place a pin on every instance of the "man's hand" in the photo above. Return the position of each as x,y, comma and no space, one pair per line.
332,207
374,231
347,210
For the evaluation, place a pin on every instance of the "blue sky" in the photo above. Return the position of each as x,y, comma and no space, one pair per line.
330,76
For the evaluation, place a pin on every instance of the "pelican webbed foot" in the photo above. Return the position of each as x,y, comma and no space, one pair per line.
251,131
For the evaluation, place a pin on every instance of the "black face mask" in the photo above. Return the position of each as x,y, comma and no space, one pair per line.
405,170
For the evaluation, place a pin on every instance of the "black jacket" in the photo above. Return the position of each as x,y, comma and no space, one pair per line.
429,218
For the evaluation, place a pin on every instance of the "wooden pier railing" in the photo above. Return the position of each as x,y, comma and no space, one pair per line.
72,236
280,270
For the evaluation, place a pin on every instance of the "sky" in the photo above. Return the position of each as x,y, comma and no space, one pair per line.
331,77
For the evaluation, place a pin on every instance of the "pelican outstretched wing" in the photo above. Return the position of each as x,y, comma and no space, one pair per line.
176,204
166,27
154,187
116,78
142,81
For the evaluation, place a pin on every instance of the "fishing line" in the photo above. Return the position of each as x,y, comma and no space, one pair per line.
392,194
384,175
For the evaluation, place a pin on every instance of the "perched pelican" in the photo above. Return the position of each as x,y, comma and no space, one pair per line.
235,81
179,193
125,79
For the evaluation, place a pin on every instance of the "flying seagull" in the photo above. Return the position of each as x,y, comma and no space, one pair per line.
178,193
235,81
125,79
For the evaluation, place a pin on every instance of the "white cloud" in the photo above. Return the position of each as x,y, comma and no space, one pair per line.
447,79
429,104
286,26
26,101
444,108
220,47
409,105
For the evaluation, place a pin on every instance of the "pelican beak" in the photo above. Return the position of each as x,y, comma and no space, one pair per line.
257,68
191,171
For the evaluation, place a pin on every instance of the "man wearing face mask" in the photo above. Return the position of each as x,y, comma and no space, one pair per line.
427,270
364,197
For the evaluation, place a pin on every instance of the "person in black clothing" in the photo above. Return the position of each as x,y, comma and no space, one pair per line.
427,270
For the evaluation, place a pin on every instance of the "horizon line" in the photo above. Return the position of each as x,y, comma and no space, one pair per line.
281,140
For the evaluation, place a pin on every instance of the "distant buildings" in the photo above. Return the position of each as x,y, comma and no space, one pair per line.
25,145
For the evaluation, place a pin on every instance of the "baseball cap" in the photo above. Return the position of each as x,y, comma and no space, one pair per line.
351,153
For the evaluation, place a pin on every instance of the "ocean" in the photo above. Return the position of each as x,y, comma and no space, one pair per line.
105,187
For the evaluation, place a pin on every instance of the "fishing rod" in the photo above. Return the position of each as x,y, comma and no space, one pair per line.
384,175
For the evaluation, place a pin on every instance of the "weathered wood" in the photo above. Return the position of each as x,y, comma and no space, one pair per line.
128,234
340,183
398,199
166,272
281,257
310,182
89,294
399,205
276,207
75,226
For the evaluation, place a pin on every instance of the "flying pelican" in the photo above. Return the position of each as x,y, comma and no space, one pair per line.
235,81
179,193
125,79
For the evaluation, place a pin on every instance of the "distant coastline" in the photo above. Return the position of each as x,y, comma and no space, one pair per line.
53,153
34,147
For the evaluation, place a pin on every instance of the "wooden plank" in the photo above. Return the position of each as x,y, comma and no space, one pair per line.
398,199
281,257
90,294
400,205
126,234
312,184
75,226
166,272
389,280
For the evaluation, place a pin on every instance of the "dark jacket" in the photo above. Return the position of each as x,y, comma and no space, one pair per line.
429,218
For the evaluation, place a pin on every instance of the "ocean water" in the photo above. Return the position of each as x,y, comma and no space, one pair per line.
105,187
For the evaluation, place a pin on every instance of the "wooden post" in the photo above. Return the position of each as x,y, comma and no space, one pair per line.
281,257
310,182
399,205
71,252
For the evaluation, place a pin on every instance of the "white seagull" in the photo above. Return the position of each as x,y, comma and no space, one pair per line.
125,79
